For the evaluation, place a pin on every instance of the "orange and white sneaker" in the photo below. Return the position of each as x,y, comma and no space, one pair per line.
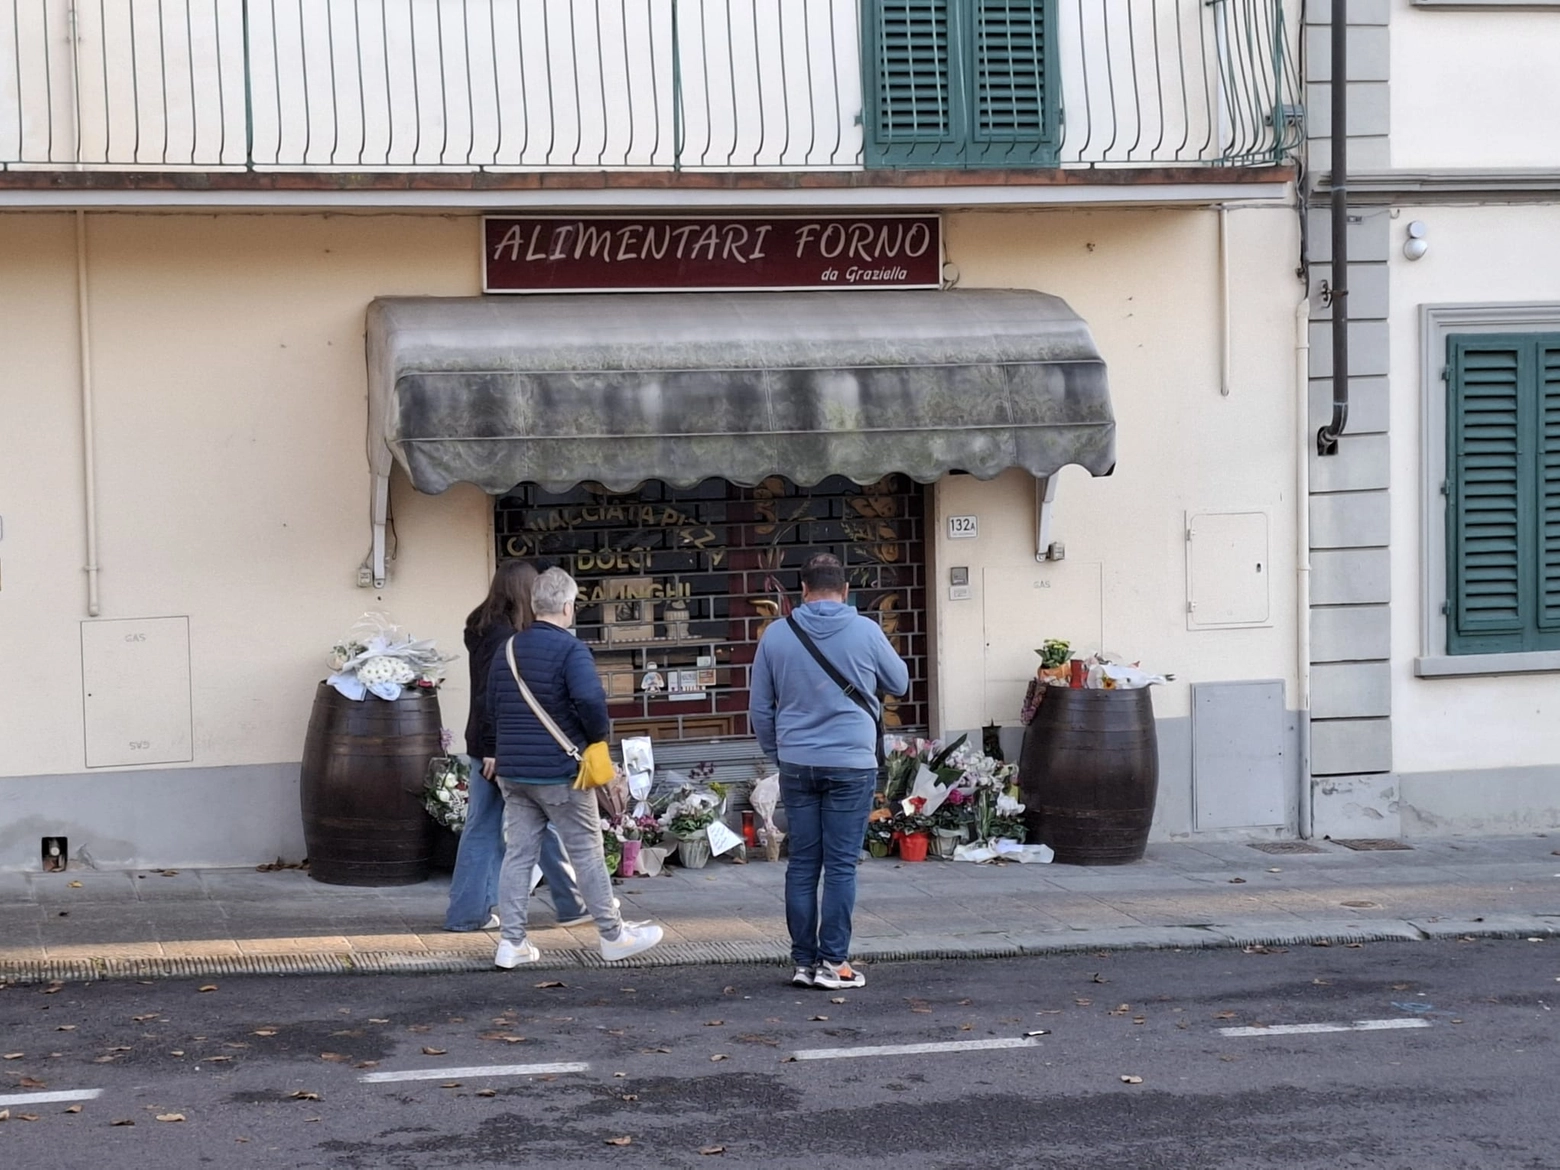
837,975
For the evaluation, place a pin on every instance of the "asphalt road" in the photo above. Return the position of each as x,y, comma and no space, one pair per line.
270,1072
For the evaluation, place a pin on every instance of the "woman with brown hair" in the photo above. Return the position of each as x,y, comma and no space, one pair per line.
474,885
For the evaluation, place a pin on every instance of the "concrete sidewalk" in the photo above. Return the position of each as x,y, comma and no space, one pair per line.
89,924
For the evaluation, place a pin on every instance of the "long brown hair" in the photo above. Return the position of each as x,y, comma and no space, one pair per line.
508,600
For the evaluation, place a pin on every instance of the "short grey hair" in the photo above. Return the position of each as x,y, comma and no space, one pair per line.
553,590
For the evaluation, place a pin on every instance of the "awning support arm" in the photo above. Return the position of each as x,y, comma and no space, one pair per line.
1046,549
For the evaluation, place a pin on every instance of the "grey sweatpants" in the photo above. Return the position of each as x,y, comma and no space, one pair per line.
528,809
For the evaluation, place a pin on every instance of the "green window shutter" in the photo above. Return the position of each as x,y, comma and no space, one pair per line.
960,82
1014,113
916,112
1547,458
1485,505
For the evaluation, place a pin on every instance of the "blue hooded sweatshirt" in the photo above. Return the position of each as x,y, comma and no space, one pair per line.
799,714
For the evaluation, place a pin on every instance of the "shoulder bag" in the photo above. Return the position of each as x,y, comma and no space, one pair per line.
596,770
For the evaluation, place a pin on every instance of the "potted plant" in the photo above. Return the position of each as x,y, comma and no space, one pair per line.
689,819
951,823
913,831
880,833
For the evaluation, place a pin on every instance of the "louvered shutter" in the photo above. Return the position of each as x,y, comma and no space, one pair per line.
960,82
916,100
1012,118
1547,460
1485,504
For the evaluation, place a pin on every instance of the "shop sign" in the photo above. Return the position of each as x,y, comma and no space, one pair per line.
532,254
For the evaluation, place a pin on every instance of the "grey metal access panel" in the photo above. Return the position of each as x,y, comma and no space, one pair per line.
1240,778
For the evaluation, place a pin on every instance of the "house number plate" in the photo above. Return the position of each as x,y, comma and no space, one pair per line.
963,528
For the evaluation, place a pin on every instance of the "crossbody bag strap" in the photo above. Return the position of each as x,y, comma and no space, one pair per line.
852,692
536,708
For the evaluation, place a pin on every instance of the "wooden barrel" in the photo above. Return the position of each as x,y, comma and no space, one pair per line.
364,763
1090,773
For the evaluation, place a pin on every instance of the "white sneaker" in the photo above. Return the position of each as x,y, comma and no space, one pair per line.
631,940
511,955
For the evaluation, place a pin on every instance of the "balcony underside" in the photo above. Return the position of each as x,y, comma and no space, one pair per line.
297,190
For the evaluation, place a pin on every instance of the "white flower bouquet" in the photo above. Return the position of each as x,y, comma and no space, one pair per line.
446,792
378,658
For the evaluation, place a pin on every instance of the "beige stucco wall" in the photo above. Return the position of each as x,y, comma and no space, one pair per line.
1446,724
1474,88
230,387
230,395
1148,284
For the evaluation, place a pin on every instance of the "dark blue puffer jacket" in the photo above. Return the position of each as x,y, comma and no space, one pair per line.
561,673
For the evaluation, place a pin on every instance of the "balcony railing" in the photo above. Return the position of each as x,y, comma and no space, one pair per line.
705,85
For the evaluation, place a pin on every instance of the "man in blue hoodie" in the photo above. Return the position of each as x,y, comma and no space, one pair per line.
826,744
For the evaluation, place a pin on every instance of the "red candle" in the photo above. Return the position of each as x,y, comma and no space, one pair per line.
749,832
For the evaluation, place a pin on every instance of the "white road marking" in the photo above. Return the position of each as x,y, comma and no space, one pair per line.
46,1098
1306,1029
484,1071
911,1049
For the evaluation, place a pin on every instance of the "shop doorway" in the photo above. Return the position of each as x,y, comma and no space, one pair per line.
678,584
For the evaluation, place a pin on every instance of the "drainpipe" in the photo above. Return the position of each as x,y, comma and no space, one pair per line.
1303,557
1224,300
1337,293
88,423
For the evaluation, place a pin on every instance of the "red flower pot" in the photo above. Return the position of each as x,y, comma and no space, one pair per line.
912,846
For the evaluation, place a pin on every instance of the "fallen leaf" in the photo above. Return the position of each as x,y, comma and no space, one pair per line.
546,983
73,1109
1354,946
303,1095
1275,869
1237,881
377,1021
26,1117
207,987
837,999
714,1023
54,988
176,1052
14,1055
433,1051
1084,1002
170,1117
720,1056
1140,1019
1130,1080
625,1140
1322,942
338,1058
5,1115
1321,982
450,1085
818,1017
31,1083
122,1121
147,1016
235,1044
1182,1024
366,1064
217,1059
1400,986
419,1028
506,1037
629,1097
66,1028
712,1149
487,1092
1224,1015
74,885
264,1032
104,1059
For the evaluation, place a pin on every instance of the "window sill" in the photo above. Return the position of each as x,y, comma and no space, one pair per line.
1466,665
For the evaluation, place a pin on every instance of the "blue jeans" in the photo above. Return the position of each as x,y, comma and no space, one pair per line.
474,884
826,809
